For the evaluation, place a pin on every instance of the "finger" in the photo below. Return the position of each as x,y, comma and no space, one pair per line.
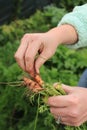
39,62
79,120
71,120
66,123
72,123
59,111
68,119
67,89
30,55
64,120
42,58
19,55
84,118
59,101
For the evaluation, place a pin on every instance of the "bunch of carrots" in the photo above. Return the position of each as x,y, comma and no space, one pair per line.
35,85
38,87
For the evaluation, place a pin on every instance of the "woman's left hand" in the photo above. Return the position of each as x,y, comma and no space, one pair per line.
71,108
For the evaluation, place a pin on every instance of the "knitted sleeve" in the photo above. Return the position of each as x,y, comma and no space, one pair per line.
78,19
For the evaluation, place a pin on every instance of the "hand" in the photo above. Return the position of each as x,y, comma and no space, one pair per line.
31,44
72,108
45,44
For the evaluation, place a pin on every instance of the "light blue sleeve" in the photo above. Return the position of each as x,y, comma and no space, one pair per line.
78,19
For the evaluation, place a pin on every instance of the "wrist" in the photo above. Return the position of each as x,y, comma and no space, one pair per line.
64,34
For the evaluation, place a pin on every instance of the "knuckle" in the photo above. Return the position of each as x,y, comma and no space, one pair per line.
76,100
17,57
75,114
29,70
73,100
27,35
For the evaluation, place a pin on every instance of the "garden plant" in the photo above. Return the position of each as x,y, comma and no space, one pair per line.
22,108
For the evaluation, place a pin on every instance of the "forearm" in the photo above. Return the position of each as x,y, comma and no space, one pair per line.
77,19
64,34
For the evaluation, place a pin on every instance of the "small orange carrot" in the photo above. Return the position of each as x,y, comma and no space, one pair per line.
27,81
32,85
38,80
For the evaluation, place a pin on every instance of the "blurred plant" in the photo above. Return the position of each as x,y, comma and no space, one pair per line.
69,5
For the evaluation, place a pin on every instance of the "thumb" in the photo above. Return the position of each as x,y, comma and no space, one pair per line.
42,58
67,89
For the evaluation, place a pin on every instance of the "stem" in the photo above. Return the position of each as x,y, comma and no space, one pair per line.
36,118
15,83
78,128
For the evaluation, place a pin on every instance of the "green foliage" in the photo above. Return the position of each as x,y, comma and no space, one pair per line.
66,65
21,9
69,5
18,7
50,16
40,21
16,113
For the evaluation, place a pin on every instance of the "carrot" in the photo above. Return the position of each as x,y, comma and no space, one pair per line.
32,85
38,79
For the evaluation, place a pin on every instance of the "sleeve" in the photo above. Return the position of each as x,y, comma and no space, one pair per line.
78,19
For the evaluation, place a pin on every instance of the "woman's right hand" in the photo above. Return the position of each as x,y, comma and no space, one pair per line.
31,44
45,44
